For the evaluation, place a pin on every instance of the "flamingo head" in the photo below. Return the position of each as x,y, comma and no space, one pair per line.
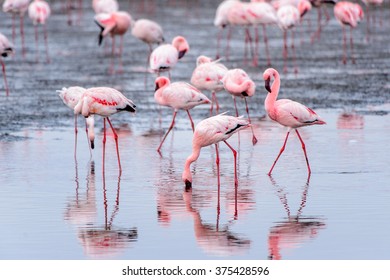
181,44
270,72
202,59
187,178
161,82
304,6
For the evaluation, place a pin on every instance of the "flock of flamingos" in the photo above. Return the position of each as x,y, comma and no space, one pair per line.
209,74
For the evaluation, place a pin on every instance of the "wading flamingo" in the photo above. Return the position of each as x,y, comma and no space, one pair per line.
212,131
208,75
165,57
104,101
348,13
238,83
113,24
149,32
71,96
17,7
286,112
39,12
6,48
179,96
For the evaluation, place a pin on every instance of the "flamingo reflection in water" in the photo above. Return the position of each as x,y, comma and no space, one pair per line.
297,230
98,240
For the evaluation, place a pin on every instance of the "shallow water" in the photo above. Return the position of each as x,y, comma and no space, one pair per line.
57,207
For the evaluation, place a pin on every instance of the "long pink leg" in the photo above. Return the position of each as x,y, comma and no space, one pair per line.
368,24
36,43
89,143
293,52
46,43
116,144
266,45
120,56
217,162
256,50
281,151
13,29
75,135
169,130
22,35
344,46
104,143
304,151
229,37
5,78
254,139
285,51
192,123
219,36
351,42
111,69
235,163
235,105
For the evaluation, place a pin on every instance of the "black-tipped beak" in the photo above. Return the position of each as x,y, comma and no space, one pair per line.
157,87
188,185
101,33
182,53
244,93
267,84
92,144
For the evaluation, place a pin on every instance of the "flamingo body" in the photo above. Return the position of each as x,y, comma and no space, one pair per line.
165,57
105,6
221,14
238,83
39,11
208,74
16,6
148,31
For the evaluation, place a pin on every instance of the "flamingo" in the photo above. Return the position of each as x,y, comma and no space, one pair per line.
71,96
17,7
212,131
238,83
113,24
369,3
39,12
288,17
105,6
179,96
165,57
348,13
286,112
6,48
261,13
149,32
208,75
221,20
104,101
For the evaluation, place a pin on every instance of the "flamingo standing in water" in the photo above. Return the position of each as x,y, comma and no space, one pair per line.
238,83
212,131
286,112
208,75
165,57
148,31
71,96
113,24
104,101
6,48
17,7
179,96
39,12
348,13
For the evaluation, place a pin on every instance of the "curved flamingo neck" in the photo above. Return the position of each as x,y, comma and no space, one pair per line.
193,157
273,95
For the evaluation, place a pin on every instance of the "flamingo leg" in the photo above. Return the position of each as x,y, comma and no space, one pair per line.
293,52
285,51
280,153
254,139
22,35
256,50
368,24
218,172
36,43
235,105
304,151
75,135
344,46
229,37
219,36
235,163
169,130
5,78
13,29
192,122
46,43
111,69
116,144
90,144
104,145
351,43
266,45
120,56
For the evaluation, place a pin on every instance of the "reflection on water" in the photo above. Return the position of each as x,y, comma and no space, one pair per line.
98,240
296,230
350,121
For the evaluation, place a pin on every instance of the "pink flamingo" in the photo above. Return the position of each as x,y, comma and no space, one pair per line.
105,6
286,112
179,96
71,96
221,21
368,4
208,75
261,13
348,13
212,131
288,17
149,32
116,23
17,7
39,12
6,48
104,101
165,57
238,83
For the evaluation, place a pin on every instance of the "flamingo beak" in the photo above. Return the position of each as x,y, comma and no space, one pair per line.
157,87
267,85
188,184
92,144
182,53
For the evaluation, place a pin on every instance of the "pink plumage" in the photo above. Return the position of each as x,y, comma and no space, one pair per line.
6,48
286,112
